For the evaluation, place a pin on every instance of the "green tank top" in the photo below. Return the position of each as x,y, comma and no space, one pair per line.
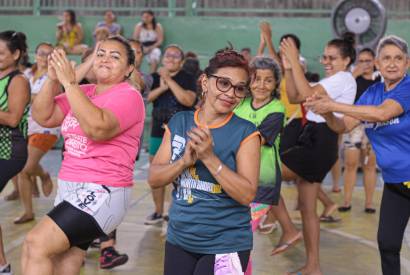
270,161
13,141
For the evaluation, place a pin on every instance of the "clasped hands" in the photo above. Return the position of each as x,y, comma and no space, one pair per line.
320,104
199,146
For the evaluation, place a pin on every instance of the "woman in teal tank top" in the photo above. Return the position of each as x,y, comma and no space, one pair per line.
14,100
264,109
212,157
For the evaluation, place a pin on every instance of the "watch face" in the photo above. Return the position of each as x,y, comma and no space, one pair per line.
365,18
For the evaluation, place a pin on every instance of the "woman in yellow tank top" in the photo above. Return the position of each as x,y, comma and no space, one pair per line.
70,34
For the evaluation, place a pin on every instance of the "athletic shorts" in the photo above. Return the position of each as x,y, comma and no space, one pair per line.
154,144
44,142
314,154
153,56
181,262
356,139
87,211
8,169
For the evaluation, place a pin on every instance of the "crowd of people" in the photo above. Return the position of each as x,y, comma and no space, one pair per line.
225,138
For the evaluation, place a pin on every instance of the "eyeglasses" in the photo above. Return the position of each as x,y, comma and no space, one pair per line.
365,61
223,84
43,54
173,56
324,58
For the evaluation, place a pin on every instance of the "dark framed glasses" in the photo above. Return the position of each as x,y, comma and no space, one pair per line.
223,84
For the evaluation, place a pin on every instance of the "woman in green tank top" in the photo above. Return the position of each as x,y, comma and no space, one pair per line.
14,100
266,111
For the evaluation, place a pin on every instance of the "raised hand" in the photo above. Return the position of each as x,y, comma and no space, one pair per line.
63,68
290,51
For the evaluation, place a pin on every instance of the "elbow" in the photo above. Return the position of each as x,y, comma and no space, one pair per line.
153,181
248,198
14,122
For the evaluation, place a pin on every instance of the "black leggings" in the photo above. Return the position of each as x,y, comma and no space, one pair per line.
394,216
182,262
8,169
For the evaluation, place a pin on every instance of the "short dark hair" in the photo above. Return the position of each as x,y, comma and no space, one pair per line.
368,50
294,37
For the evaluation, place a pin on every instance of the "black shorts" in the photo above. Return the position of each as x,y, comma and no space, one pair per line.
80,228
290,134
314,153
8,169
181,262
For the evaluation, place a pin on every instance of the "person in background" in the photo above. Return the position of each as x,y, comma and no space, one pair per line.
150,33
109,23
173,91
246,53
40,140
357,148
14,107
316,150
70,34
384,109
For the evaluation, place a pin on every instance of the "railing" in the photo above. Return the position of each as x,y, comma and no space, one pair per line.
289,8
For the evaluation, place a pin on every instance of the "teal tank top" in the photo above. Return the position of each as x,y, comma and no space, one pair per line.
203,218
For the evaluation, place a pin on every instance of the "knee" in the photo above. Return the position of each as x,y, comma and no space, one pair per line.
33,246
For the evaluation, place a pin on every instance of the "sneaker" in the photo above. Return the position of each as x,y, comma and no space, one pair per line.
153,219
6,270
110,258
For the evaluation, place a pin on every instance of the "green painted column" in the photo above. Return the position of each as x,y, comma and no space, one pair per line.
171,8
36,7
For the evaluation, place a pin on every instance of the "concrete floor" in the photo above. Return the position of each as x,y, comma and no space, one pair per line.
348,247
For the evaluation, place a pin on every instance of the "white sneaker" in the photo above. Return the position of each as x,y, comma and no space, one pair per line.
6,270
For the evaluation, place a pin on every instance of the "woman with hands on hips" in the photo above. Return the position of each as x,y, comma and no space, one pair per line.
315,153
212,157
101,125
384,109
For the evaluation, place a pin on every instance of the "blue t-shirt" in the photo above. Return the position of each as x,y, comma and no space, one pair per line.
391,139
203,218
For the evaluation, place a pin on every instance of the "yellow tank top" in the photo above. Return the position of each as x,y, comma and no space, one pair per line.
292,110
70,37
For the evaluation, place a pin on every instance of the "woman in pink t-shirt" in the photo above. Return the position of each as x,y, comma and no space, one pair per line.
101,125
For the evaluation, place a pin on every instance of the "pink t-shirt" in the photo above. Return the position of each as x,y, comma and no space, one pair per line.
108,162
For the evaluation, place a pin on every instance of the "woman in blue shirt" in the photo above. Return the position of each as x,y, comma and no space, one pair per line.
212,157
384,109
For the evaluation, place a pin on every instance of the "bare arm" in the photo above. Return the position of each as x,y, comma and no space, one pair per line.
137,31
160,36
294,73
240,185
18,98
185,97
44,109
341,124
322,104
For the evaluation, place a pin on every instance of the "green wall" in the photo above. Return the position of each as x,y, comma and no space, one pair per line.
204,35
